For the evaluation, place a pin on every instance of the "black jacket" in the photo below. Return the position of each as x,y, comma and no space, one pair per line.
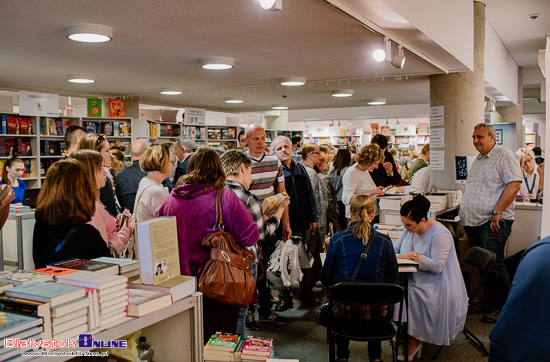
379,175
302,209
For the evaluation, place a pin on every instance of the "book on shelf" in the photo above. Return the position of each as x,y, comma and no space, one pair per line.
124,265
24,125
87,265
385,130
70,306
157,241
63,327
91,127
374,128
32,308
60,126
179,287
12,322
124,128
11,122
19,277
116,129
87,279
53,293
116,107
142,301
4,124
107,128
257,346
94,107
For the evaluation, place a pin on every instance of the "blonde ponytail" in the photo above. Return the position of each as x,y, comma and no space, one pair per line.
362,206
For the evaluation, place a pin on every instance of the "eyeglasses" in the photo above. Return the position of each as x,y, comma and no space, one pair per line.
529,161
316,153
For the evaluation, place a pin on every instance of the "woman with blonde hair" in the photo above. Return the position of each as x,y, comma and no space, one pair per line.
115,238
421,161
64,207
157,162
357,181
99,143
531,178
343,253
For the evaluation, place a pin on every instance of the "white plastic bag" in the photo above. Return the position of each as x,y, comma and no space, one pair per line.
283,268
305,256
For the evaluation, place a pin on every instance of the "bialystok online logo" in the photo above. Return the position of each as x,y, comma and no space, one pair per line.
84,341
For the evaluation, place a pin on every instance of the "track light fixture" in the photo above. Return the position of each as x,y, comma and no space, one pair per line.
271,4
398,60
384,54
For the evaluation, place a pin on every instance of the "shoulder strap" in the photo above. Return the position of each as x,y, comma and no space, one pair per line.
136,205
66,238
340,188
363,255
219,215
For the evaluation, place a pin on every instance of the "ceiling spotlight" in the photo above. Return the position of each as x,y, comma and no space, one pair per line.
89,33
293,81
342,93
398,60
279,106
271,4
81,78
234,100
376,102
170,91
381,55
217,63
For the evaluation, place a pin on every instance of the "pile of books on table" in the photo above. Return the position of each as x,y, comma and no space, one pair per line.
230,347
13,326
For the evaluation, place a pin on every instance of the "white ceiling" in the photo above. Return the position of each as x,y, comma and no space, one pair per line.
160,44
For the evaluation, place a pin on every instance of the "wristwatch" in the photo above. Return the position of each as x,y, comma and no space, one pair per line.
493,212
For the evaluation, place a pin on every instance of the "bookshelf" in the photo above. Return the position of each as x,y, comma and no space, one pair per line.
222,136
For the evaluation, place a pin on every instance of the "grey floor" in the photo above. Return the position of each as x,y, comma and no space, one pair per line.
304,339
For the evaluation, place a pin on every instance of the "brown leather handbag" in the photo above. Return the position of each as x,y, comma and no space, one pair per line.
227,276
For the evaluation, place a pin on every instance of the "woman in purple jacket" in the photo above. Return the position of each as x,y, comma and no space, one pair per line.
194,205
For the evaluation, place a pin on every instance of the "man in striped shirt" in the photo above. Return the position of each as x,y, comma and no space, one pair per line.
267,180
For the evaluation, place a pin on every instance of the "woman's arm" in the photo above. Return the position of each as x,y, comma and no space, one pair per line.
349,188
442,242
244,228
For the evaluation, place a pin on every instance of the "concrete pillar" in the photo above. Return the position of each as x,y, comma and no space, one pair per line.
278,123
462,95
514,114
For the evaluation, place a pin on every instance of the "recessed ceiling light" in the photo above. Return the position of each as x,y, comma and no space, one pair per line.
271,4
376,102
278,106
170,91
234,100
342,93
89,33
293,81
218,63
81,78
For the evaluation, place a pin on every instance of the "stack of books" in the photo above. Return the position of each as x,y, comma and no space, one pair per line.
32,308
142,301
223,347
21,326
126,267
63,300
87,265
112,293
20,277
257,349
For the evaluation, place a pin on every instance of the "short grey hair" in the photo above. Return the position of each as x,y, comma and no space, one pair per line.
279,139
187,143
489,130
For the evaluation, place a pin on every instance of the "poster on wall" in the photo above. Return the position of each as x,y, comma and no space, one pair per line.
116,107
436,116
194,117
437,160
38,104
437,137
94,107
374,128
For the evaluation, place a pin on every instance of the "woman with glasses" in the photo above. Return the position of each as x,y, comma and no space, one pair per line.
99,143
357,181
157,162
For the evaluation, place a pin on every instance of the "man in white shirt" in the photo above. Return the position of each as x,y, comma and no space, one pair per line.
487,210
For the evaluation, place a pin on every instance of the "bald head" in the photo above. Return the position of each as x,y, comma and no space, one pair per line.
253,128
137,148
255,139
280,140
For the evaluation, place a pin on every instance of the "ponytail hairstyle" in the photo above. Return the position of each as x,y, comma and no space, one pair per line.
9,163
362,206
416,209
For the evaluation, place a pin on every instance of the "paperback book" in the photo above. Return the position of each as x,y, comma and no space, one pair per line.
11,323
179,287
32,308
124,265
87,265
142,302
87,279
53,293
19,277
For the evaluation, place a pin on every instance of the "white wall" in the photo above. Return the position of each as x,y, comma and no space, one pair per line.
361,113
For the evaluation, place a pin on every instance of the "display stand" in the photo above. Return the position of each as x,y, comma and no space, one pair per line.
16,241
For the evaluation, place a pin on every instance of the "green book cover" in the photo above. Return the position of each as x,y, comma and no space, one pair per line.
94,107
223,342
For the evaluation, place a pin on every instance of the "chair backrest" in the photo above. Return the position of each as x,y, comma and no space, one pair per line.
371,294
483,260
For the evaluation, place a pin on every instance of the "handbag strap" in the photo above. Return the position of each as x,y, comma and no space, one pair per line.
363,255
66,238
219,215
136,205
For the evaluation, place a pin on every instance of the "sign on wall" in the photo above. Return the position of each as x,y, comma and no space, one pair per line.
38,104
436,116
194,117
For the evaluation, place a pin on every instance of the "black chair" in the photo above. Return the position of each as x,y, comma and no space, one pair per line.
482,260
357,329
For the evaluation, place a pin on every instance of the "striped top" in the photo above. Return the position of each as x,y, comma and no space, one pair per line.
267,174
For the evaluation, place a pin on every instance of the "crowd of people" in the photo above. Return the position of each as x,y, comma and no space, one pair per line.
331,194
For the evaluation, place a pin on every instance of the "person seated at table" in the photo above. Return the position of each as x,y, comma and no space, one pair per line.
438,301
11,176
343,254
64,207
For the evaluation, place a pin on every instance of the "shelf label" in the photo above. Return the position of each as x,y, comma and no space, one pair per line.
436,116
194,117
38,104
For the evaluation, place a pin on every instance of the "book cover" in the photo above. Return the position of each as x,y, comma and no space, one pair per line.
3,147
24,125
60,126
32,308
107,128
374,129
11,323
91,127
52,127
385,130
31,333
12,124
180,286
94,107
116,107
87,279
142,302
87,265
70,306
53,293
124,128
19,277
257,346
125,265
158,249
3,119
223,342
55,271
116,129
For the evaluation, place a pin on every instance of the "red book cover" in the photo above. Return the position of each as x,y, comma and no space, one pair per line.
116,107
55,271
24,125
257,346
12,124
67,124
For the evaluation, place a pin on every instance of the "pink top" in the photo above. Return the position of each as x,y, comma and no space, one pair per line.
106,225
